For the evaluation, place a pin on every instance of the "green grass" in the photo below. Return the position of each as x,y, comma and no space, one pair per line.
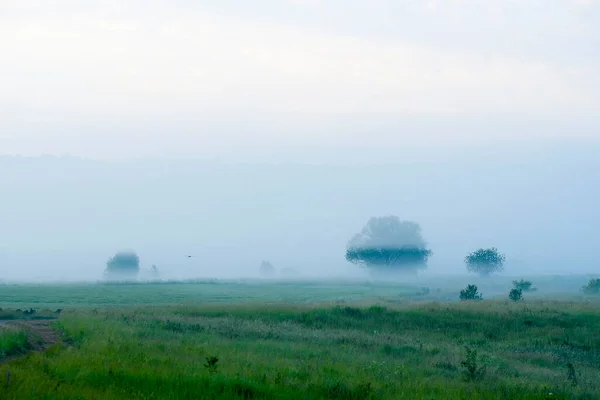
305,340
104,295
13,341
284,351
92,295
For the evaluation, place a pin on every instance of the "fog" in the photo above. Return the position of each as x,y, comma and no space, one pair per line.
236,132
536,201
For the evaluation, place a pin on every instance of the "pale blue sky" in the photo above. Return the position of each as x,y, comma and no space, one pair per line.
484,114
132,78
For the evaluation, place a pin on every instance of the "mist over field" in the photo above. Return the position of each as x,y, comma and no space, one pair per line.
237,132
63,217
300,199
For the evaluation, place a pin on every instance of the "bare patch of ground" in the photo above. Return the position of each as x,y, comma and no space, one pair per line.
43,336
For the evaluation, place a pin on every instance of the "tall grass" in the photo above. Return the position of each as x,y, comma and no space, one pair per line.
279,351
13,342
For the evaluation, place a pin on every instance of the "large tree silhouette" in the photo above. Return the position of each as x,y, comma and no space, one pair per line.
387,244
123,265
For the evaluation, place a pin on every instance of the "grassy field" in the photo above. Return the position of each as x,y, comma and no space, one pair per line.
101,295
299,341
55,296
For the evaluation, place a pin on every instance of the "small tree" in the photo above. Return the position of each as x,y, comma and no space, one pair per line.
212,364
154,272
123,265
470,293
515,295
525,286
485,261
267,269
593,287
474,368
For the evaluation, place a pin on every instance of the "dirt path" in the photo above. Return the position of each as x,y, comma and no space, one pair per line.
43,336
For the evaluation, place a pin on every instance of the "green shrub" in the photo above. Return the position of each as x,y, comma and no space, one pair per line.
593,287
212,364
470,293
472,369
523,285
516,295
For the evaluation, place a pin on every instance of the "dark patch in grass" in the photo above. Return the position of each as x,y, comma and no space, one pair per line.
541,362
572,374
212,364
398,351
173,326
343,391
474,369
244,390
447,366
28,314
492,335
574,345
181,327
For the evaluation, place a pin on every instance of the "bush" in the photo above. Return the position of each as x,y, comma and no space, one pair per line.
523,285
123,265
593,287
472,369
515,294
470,293
212,364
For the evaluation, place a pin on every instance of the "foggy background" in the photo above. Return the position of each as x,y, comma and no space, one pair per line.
239,131
63,217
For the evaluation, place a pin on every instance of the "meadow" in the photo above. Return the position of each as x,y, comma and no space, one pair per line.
297,340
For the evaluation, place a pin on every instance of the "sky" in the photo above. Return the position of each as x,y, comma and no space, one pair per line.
274,129
119,79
